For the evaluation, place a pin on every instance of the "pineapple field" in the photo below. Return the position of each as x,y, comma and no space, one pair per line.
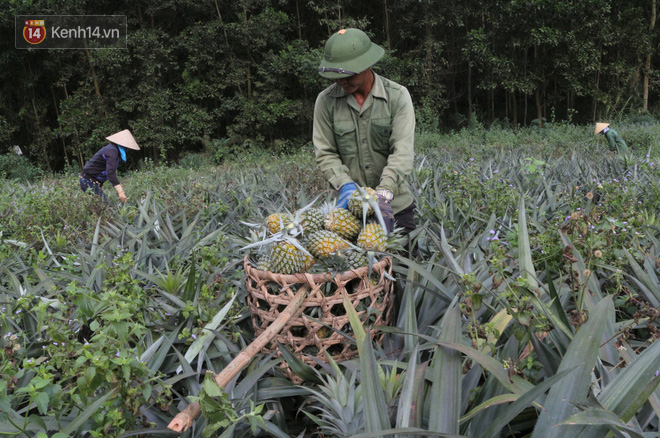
531,310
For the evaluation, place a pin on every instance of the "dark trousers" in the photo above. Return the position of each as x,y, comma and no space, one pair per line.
406,219
86,184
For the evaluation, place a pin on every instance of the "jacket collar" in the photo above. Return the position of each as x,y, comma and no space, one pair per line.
377,90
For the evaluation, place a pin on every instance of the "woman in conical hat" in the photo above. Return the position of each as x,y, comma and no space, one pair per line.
614,140
103,165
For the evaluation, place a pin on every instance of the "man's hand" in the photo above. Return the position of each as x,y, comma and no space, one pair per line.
120,192
386,209
345,193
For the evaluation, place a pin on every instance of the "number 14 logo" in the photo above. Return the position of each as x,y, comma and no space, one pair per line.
34,31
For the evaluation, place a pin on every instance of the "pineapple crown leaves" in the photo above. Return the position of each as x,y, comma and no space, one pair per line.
256,236
259,229
308,206
279,237
396,241
327,207
288,232
366,198
373,202
371,256
299,216
301,210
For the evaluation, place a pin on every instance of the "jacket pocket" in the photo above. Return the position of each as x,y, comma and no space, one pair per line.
381,129
345,137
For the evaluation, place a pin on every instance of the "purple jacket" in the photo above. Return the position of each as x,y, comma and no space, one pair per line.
102,166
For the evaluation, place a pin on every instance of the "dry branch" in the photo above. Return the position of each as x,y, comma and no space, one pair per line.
185,418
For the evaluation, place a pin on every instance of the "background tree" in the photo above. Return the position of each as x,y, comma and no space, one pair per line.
245,70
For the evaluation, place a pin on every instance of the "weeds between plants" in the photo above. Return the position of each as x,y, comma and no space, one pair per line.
538,284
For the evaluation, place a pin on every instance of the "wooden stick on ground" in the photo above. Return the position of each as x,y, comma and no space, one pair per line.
185,418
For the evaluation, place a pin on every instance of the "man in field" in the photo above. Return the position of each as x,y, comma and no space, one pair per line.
364,128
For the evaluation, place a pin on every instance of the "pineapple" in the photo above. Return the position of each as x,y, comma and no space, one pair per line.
263,264
308,261
323,332
372,237
312,220
342,222
323,243
356,259
357,200
277,221
286,258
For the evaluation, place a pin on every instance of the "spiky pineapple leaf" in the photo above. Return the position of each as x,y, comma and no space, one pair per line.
375,409
407,395
297,366
520,402
627,393
447,376
582,352
525,252
356,324
607,420
645,279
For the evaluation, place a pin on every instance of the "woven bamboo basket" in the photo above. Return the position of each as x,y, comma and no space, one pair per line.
305,333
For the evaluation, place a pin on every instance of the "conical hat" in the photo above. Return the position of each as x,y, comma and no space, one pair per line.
600,127
124,138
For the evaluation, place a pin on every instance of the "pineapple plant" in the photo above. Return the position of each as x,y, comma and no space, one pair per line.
372,237
342,222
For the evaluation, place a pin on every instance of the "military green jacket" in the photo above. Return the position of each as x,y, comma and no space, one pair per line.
615,141
372,146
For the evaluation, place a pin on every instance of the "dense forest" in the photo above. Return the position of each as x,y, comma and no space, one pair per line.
197,74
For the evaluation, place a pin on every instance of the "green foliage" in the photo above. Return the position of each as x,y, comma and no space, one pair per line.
71,349
537,283
220,411
222,69
18,167
45,207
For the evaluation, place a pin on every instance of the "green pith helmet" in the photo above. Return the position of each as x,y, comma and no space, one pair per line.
347,53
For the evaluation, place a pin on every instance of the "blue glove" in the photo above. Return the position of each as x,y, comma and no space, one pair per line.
345,193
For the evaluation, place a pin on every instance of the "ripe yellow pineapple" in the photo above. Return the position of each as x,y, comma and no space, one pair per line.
342,222
323,332
372,237
323,243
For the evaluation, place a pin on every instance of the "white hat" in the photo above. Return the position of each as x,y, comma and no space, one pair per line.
124,138
600,127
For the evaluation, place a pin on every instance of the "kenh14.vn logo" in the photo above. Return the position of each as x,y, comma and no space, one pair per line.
34,31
